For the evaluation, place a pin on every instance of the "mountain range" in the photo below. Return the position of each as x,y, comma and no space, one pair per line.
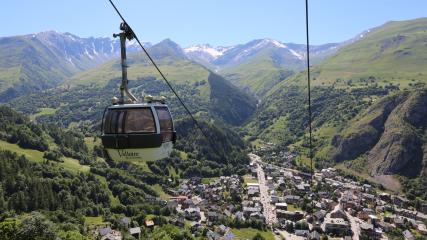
35,62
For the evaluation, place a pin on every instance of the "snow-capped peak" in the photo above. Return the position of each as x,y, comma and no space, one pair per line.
215,52
274,42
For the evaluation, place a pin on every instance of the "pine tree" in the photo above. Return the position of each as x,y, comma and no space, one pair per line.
2,201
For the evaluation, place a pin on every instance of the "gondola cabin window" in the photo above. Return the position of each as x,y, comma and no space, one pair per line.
110,124
166,125
137,120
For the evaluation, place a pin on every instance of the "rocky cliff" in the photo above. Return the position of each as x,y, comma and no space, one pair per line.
391,135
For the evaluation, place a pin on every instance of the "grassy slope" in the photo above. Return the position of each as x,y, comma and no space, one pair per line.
37,156
43,112
178,71
93,220
396,49
161,192
249,233
392,53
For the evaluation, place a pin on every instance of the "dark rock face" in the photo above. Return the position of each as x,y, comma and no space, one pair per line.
392,134
352,146
400,148
396,152
366,134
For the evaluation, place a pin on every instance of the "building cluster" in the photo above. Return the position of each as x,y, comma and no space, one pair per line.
208,206
294,203
106,232
336,206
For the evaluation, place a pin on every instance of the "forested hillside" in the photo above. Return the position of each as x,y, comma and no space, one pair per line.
64,177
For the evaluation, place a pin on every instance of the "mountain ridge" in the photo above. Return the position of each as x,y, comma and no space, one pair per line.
35,62
44,60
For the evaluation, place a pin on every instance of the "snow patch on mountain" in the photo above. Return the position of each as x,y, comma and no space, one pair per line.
214,52
299,56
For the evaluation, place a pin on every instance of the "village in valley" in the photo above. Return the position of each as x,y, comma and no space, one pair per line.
285,201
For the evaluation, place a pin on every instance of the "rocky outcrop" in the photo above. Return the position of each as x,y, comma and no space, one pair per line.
400,148
392,135
362,135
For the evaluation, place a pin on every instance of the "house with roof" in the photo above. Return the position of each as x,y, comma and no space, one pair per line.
252,192
149,223
385,226
328,172
349,200
192,213
292,199
337,226
398,222
195,226
314,236
297,179
274,198
421,227
283,215
338,214
421,216
135,232
222,229
370,231
179,199
188,203
368,198
229,236
173,204
257,216
104,231
239,215
113,235
319,215
324,194
178,221
211,235
385,197
407,235
125,222
400,201
212,216
302,233
247,211
281,206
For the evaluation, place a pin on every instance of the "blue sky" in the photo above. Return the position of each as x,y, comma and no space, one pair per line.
218,22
